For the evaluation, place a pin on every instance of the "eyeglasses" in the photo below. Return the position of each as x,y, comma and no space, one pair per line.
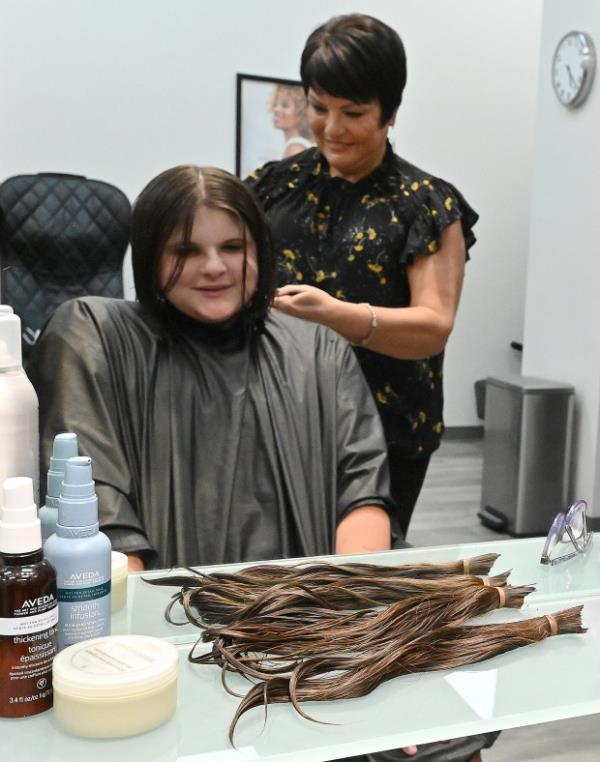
568,535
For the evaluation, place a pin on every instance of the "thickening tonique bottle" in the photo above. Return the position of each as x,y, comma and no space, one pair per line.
28,606
81,556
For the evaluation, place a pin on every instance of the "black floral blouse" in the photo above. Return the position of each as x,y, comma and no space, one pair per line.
355,241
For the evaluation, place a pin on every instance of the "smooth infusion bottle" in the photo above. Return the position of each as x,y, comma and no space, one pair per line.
81,556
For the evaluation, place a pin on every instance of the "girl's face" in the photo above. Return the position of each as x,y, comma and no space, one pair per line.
350,135
210,287
285,116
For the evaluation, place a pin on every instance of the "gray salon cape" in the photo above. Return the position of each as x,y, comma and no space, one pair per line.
210,447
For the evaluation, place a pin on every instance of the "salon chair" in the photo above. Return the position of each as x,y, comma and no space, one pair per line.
61,236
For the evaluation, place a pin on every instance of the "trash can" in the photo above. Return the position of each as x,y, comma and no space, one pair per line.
526,453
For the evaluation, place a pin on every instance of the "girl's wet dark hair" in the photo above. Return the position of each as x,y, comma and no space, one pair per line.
356,57
171,200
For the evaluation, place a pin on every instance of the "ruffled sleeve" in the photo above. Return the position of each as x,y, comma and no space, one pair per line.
438,205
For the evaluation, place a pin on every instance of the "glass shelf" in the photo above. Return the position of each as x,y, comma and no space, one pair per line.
553,680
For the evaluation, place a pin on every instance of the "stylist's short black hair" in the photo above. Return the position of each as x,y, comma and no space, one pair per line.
356,57
170,201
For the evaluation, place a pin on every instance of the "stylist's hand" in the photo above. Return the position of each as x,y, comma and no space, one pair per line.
412,750
306,302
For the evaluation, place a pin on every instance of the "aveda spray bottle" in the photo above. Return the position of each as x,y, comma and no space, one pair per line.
63,448
28,606
81,556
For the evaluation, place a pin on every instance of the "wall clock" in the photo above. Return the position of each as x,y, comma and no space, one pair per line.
573,68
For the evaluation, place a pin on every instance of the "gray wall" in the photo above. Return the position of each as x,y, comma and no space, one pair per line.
562,317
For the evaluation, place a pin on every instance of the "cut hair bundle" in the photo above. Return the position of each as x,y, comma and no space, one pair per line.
317,632
323,678
293,634
221,598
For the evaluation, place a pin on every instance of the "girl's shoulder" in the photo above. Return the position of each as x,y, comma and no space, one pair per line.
302,338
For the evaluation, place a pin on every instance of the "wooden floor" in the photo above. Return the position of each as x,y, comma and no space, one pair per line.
450,499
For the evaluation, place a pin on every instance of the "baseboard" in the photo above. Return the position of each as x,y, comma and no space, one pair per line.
463,432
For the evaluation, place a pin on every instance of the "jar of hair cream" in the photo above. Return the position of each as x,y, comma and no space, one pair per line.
118,584
115,686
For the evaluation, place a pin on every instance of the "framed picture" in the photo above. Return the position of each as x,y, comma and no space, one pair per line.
271,121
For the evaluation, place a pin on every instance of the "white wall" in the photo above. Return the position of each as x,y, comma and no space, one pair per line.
121,89
562,319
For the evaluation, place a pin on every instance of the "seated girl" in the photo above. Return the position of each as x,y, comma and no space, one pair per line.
220,430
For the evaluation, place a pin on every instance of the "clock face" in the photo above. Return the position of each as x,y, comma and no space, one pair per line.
573,68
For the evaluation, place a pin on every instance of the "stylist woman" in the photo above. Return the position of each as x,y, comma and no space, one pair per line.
369,244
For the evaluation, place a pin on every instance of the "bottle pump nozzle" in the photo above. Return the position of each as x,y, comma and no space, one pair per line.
63,448
20,528
10,338
78,504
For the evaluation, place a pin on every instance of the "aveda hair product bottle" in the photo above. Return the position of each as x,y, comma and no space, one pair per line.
18,407
28,606
63,448
81,556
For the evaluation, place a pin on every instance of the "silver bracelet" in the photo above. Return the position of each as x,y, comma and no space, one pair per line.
372,327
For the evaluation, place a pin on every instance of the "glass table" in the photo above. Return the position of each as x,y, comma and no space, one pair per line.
553,680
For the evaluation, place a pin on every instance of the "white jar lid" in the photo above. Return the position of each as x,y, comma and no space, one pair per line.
116,666
119,565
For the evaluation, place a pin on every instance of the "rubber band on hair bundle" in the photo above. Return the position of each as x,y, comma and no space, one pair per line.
466,566
501,596
553,624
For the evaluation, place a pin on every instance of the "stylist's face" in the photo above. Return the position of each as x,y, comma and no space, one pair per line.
350,135
210,287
